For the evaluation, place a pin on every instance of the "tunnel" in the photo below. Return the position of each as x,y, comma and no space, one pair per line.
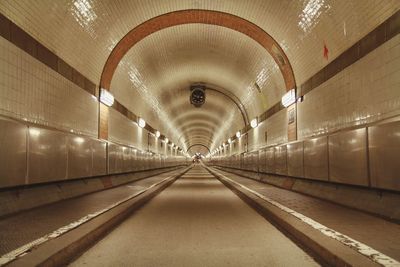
200,133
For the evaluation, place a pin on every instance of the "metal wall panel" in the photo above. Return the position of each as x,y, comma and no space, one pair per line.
295,159
112,158
316,158
270,160
79,156
261,160
126,159
133,161
254,161
384,153
140,160
348,157
245,160
241,161
143,160
47,155
119,159
280,160
99,156
249,161
12,153
146,160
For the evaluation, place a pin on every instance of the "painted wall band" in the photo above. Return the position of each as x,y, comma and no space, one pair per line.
26,42
381,34
377,37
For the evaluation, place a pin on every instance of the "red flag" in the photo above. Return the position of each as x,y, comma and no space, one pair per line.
326,51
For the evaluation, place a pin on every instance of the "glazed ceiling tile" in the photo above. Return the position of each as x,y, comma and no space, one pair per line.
83,32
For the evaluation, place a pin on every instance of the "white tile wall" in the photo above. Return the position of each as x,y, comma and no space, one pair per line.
124,131
83,32
365,92
31,91
276,128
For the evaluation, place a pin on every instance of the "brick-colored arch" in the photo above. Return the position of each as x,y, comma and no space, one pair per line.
203,17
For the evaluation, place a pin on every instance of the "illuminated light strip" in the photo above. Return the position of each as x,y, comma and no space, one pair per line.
25,249
362,248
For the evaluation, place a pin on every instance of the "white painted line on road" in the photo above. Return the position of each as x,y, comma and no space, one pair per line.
25,249
365,250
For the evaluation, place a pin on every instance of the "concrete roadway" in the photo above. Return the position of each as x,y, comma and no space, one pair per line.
195,222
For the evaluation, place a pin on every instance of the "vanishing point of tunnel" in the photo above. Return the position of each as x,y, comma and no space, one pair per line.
200,133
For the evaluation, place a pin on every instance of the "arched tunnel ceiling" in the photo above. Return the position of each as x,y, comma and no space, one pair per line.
161,68
153,78
198,148
83,32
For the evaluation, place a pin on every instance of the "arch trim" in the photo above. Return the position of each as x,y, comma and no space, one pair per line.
199,16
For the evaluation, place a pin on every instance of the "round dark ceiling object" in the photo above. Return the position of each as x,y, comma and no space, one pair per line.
197,95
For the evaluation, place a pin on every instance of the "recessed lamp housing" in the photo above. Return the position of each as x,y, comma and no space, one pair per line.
106,97
254,123
141,123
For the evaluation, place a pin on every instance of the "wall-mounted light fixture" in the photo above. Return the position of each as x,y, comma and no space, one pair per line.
254,123
289,98
106,97
229,140
158,134
238,134
141,123
166,140
79,140
300,99
34,132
